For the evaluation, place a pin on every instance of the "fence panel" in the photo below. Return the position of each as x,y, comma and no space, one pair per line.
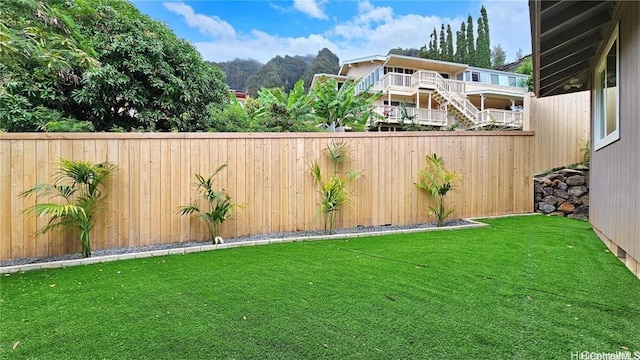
268,173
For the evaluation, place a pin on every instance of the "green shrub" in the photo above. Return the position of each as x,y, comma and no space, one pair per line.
218,208
79,184
436,181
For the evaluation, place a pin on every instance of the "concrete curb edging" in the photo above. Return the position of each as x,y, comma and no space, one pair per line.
195,249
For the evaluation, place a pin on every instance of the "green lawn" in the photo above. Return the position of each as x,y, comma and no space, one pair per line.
530,287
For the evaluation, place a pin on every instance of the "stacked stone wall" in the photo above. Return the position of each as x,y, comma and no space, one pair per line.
563,193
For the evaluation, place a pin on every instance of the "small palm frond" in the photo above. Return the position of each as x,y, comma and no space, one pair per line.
189,209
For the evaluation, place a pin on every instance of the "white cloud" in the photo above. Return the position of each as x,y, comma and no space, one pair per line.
372,31
262,47
310,7
209,25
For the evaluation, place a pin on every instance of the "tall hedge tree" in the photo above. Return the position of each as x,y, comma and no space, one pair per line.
461,45
449,52
483,52
104,63
471,49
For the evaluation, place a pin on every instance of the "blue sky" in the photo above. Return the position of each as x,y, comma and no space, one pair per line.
261,29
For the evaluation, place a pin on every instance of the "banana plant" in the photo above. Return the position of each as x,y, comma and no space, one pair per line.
218,207
79,185
437,181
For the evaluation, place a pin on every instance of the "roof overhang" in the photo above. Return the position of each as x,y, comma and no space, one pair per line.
421,63
565,38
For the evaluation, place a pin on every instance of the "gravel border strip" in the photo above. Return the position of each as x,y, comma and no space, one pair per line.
467,224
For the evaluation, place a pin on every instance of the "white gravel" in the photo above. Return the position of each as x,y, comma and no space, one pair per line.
282,235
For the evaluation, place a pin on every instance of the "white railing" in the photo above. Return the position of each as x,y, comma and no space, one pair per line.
394,80
393,114
501,118
449,89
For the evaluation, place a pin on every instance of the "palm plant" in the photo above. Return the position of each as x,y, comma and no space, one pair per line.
437,181
219,206
79,184
334,191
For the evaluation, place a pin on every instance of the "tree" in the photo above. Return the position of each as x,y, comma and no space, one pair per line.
449,45
527,68
471,50
325,62
279,72
461,45
103,62
483,53
443,44
341,106
485,22
237,71
280,111
519,54
407,52
498,56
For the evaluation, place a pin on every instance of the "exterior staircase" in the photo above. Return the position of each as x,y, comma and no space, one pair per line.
445,93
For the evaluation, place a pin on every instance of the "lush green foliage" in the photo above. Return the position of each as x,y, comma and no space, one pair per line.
230,118
237,71
518,289
341,106
325,62
79,185
471,45
218,204
278,72
483,47
280,111
333,189
99,61
437,181
527,68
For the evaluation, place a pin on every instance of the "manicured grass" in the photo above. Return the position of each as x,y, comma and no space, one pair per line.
528,287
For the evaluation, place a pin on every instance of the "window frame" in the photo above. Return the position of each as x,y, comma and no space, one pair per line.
598,120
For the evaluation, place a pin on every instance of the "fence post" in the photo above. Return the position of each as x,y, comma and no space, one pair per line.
526,104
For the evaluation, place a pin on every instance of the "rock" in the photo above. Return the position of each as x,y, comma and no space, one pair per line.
548,191
562,185
537,198
575,180
554,176
584,200
551,200
582,210
546,182
574,200
546,208
577,190
537,188
561,194
558,213
570,172
566,208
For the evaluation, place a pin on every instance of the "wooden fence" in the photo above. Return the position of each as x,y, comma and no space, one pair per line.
561,124
268,173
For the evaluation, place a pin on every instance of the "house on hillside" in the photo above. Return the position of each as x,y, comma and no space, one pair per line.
595,45
436,93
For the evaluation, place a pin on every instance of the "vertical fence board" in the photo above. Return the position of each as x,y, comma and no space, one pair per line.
267,173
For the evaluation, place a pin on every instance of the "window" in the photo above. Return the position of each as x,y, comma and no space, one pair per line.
494,79
606,94
512,81
475,76
444,75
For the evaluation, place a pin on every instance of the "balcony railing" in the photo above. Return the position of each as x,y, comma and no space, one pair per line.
500,118
393,114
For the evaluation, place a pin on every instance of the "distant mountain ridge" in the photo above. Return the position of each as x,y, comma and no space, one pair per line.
250,75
